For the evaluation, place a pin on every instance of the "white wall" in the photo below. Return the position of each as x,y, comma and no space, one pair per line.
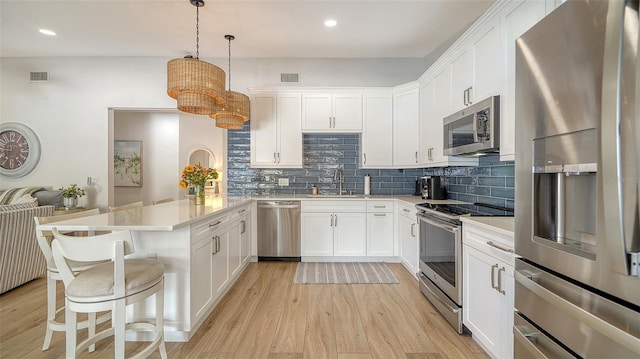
70,113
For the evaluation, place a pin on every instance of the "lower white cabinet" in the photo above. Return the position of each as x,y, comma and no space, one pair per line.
408,238
333,228
380,234
221,245
488,290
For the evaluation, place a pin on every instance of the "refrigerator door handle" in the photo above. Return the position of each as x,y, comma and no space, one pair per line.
609,177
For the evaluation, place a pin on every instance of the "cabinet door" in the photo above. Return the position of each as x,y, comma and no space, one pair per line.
316,112
482,305
428,123
461,79
317,234
407,232
245,238
380,234
263,130
289,112
406,127
221,262
235,257
487,62
201,277
347,112
350,234
377,131
518,18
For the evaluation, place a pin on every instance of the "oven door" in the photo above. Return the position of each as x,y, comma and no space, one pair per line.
440,255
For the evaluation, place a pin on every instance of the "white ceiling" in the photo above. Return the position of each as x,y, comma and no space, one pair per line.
263,28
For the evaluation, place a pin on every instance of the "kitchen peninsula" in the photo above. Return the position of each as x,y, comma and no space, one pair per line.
204,248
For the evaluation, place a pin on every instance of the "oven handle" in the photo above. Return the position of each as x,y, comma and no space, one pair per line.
448,228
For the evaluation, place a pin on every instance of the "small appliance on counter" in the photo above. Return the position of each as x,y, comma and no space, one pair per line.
431,188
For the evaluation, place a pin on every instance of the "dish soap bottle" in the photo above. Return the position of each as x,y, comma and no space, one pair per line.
314,190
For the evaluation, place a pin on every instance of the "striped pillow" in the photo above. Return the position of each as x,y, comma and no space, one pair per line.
14,195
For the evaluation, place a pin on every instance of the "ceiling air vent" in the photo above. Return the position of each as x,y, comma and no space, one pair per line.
39,77
289,78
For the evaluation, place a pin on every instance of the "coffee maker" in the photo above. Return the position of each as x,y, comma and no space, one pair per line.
432,188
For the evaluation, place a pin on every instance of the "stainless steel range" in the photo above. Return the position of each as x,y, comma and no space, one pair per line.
441,254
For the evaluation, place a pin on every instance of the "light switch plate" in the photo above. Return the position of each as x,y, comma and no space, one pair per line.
283,181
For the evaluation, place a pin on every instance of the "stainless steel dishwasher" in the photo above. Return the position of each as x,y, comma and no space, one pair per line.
279,230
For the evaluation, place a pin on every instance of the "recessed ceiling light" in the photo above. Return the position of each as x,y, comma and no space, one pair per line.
47,32
330,23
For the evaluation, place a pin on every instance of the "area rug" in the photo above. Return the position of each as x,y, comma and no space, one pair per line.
344,273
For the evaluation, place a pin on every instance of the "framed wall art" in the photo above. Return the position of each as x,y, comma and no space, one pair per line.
127,163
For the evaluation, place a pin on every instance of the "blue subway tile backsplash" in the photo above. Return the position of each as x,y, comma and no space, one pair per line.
491,182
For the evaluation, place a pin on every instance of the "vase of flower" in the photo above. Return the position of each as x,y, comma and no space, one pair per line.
198,193
69,202
194,177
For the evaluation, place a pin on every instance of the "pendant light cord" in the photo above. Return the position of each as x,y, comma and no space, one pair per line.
197,32
229,38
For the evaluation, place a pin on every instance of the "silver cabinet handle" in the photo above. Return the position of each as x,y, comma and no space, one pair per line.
242,210
499,289
365,158
504,249
464,97
274,157
215,224
469,95
406,210
243,229
493,282
379,206
332,220
278,157
416,156
413,226
329,121
218,244
379,215
336,221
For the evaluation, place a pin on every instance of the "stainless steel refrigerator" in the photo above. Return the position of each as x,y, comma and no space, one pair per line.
577,218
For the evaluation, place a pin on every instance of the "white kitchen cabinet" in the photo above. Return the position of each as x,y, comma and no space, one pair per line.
518,17
380,229
239,240
332,112
435,96
245,235
202,272
408,237
221,260
488,289
276,130
406,125
377,130
461,78
333,228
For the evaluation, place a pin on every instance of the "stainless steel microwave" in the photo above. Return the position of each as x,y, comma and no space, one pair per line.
474,130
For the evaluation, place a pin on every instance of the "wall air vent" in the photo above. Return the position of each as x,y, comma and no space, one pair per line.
39,77
289,78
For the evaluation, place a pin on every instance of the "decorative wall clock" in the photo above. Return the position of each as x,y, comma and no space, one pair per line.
19,149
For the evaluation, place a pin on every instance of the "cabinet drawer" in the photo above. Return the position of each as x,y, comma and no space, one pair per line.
204,228
379,206
494,244
407,210
240,212
334,206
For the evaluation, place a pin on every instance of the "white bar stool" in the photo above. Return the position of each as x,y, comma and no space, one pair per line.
109,286
53,276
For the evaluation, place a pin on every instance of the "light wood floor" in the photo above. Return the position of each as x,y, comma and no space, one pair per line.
265,315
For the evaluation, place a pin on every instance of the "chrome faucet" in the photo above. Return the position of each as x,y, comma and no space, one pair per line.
338,177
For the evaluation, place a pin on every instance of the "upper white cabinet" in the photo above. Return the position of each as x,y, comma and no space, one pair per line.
332,112
377,130
406,126
276,134
435,95
518,17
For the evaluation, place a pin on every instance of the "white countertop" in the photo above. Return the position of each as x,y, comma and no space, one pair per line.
160,217
503,225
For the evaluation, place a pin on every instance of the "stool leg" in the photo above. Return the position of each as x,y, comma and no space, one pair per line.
71,324
91,328
160,320
51,310
118,317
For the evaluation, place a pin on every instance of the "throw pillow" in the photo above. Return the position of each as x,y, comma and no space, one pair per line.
14,194
26,199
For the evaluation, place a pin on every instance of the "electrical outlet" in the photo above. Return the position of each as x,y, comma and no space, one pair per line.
283,181
92,181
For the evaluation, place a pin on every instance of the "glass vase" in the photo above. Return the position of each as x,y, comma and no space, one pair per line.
199,194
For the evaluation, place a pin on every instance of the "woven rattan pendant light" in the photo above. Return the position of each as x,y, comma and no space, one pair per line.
198,86
235,110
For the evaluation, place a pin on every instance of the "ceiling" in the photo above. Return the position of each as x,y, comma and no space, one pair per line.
263,28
